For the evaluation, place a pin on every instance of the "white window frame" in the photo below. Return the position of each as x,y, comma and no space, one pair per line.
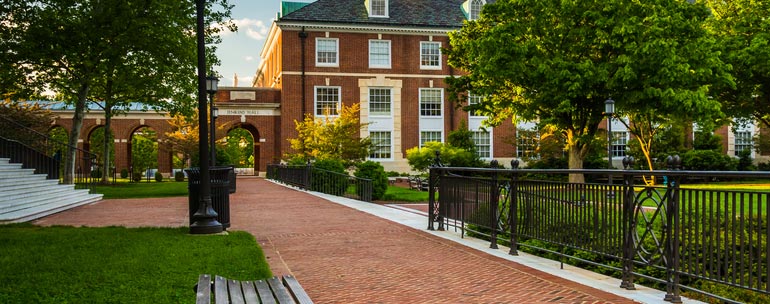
423,140
384,14
373,154
475,12
390,102
423,44
390,53
526,147
476,140
619,144
740,143
474,99
338,102
441,103
336,62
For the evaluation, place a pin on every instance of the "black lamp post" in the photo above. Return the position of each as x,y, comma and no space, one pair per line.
212,87
609,110
205,218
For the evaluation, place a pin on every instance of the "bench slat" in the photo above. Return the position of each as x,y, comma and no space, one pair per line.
249,292
296,290
281,294
221,295
264,292
236,295
203,290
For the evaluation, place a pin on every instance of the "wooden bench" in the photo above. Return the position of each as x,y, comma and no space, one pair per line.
275,290
418,183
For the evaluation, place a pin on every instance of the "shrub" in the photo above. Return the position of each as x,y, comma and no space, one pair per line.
179,176
420,159
329,177
158,176
708,160
137,177
745,162
96,173
375,172
764,166
124,173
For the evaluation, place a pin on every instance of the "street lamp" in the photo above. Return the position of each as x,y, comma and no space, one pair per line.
211,87
205,218
609,110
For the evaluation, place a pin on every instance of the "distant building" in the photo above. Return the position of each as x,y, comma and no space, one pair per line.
385,54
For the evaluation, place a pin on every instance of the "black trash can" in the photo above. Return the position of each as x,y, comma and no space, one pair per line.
220,192
231,178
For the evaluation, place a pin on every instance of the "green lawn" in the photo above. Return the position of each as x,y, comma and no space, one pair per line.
118,265
142,189
400,194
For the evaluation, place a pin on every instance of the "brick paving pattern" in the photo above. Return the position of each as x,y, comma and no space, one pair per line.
342,255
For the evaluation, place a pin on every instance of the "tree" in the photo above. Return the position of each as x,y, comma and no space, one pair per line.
462,138
184,136
144,150
331,138
558,61
96,49
744,37
29,115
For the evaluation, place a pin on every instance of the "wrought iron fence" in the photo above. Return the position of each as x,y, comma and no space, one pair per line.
46,155
315,179
677,236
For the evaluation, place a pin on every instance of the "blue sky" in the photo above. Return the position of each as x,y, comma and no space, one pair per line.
239,52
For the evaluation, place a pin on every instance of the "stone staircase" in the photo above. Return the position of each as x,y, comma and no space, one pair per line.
25,196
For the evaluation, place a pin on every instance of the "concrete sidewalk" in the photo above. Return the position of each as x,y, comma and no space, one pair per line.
346,251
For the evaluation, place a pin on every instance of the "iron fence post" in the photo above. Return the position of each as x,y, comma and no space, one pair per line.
494,207
431,197
628,226
672,233
513,208
308,176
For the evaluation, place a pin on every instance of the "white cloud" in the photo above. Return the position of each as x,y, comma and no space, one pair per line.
249,58
255,29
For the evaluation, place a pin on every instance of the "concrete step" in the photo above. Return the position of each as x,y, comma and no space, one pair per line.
46,190
13,172
36,212
25,196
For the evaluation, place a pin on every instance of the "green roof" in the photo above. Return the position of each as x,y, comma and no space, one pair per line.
289,7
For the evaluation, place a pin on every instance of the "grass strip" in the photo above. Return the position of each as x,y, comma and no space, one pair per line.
142,190
118,265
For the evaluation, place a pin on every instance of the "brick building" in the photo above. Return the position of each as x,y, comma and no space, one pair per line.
383,54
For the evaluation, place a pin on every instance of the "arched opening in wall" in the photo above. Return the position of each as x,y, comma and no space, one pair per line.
102,167
143,153
240,149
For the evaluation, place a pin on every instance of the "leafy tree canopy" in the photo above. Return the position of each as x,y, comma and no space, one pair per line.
331,138
556,62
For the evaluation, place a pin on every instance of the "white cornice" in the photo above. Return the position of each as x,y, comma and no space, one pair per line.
364,75
364,28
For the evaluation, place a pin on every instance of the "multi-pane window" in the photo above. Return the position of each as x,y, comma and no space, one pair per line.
743,141
381,144
527,142
379,54
378,8
475,9
474,99
379,101
430,55
430,102
327,101
326,53
427,136
483,144
619,142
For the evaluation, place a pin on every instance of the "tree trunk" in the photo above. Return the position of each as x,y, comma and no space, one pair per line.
575,162
107,142
77,124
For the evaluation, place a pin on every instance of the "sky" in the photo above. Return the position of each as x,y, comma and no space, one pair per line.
239,51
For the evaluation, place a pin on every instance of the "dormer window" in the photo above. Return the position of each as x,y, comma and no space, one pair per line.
475,9
378,8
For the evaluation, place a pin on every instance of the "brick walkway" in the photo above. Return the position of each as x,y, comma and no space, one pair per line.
342,255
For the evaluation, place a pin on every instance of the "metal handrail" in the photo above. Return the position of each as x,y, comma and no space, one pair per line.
44,154
315,179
